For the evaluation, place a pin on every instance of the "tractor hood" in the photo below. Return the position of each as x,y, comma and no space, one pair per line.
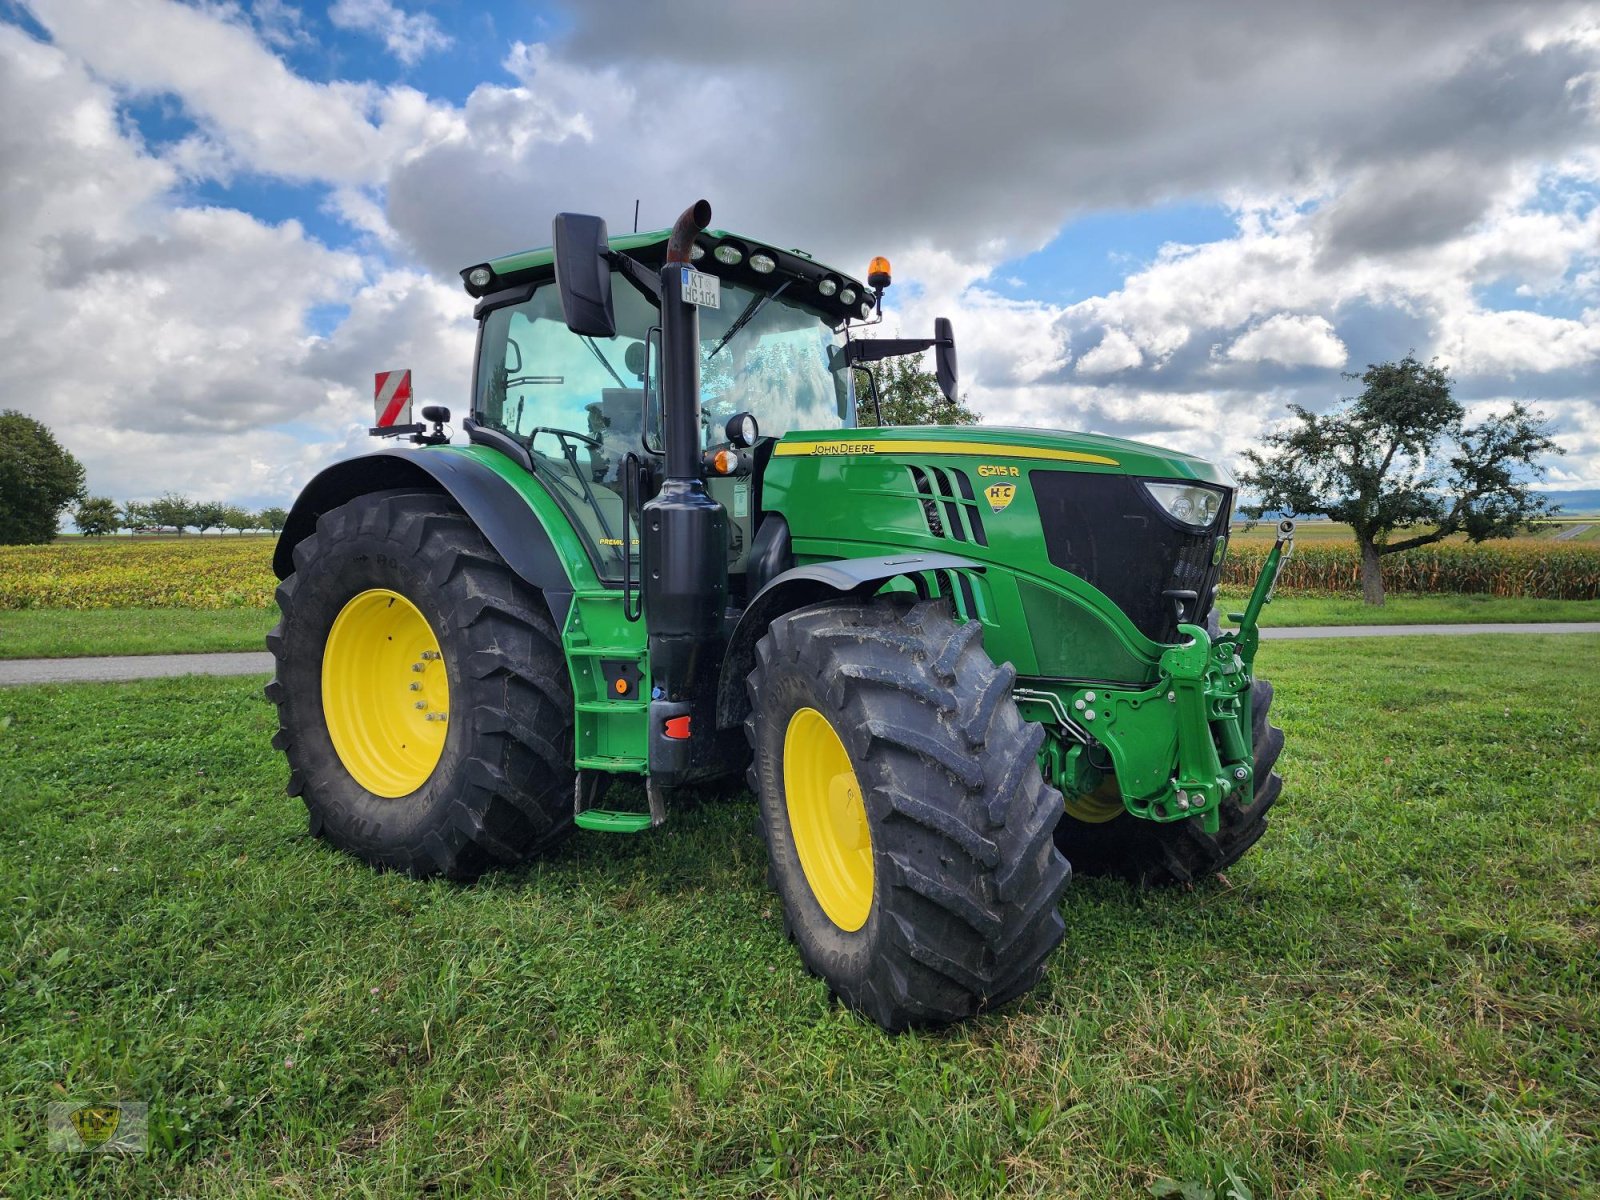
1017,447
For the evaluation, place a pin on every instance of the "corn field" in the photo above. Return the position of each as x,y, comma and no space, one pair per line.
1535,569
215,572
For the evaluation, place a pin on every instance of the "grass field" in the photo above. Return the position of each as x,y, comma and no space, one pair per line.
1398,993
71,632
68,633
1310,608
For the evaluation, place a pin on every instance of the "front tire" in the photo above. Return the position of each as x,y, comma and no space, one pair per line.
423,701
908,828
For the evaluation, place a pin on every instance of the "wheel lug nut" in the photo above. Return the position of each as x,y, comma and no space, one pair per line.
416,666
416,686
422,704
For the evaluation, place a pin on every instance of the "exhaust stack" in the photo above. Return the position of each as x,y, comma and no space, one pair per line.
685,539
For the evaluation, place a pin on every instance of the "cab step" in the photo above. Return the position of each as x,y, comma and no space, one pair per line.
605,820
590,786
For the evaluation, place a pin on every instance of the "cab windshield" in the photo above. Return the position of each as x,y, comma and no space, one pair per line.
579,404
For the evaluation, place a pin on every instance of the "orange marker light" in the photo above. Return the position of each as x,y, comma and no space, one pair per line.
878,272
622,687
726,462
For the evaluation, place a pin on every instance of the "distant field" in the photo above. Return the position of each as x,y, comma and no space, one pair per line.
221,573
1333,531
206,573
1529,568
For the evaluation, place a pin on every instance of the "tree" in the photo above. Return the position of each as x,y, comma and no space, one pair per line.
208,514
272,518
909,395
136,517
38,478
171,511
1398,457
97,516
238,519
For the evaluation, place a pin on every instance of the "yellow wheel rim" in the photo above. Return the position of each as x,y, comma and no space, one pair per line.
828,819
385,695
1095,807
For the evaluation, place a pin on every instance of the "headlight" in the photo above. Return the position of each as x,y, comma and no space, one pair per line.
480,277
828,287
762,264
848,296
728,255
1190,503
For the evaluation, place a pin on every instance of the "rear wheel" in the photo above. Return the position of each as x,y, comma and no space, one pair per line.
422,696
907,826
1102,838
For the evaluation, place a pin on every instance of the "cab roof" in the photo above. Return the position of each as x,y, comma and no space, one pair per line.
809,279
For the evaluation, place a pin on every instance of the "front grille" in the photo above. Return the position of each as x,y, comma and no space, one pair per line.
1106,530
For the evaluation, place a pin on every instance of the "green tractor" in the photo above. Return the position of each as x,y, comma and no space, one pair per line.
949,661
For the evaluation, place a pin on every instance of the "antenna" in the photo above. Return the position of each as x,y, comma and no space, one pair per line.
636,216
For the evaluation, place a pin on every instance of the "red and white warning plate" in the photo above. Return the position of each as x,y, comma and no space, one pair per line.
391,397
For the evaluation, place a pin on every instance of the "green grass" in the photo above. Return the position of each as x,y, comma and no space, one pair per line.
68,633
1308,608
71,633
1398,992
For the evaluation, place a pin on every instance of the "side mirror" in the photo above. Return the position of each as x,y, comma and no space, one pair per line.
583,276
944,357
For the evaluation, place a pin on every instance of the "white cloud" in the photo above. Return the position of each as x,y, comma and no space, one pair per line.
1292,341
1385,165
167,345
271,119
409,36
1116,352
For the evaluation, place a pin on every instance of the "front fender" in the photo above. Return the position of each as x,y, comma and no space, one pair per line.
812,584
500,513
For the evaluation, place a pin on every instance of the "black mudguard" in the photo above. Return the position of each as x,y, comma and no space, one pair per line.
799,586
494,506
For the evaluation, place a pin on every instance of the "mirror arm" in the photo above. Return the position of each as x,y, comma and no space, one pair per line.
644,280
874,349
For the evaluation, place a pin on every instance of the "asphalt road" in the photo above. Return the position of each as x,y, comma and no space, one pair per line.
160,666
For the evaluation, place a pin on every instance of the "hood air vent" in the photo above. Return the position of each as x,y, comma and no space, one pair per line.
949,505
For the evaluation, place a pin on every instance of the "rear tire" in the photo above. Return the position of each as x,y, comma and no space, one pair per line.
502,786
959,911
1154,853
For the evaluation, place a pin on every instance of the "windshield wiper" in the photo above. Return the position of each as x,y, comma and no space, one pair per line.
589,342
748,315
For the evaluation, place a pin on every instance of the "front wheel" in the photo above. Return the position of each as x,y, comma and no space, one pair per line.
908,828
422,696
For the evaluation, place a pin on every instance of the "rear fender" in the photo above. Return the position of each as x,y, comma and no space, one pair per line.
503,516
845,578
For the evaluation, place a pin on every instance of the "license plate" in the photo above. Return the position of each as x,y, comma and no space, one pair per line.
702,289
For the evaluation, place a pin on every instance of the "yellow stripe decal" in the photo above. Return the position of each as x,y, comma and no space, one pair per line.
975,449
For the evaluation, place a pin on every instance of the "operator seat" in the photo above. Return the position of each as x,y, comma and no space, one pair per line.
616,420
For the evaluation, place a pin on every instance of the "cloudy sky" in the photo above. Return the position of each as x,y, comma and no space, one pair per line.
1164,220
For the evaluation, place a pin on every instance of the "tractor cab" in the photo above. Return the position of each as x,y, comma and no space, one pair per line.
773,353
